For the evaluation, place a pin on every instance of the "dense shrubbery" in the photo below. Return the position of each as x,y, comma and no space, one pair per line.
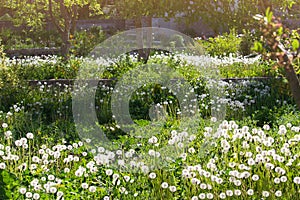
222,45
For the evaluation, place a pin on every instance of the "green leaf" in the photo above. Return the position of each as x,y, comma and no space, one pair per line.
8,183
257,47
269,15
295,44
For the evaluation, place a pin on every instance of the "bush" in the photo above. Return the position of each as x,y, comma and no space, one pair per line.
222,45
84,41
246,43
13,39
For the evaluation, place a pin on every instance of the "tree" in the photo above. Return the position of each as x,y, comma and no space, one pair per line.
63,14
139,10
281,44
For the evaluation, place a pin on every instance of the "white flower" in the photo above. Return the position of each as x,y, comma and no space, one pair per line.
2,166
265,193
109,172
66,170
51,177
92,189
22,190
297,180
213,119
195,198
8,134
106,198
266,127
126,178
85,185
195,181
250,192
203,186
283,179
28,194
172,188
152,140
18,143
152,175
164,185
278,193
78,173
255,177
202,196
191,150
36,196
4,125
59,194
237,192
222,195
29,135
151,152
209,195
53,190
276,180
229,193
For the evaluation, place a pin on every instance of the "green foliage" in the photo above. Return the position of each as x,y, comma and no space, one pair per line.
246,43
85,40
8,184
16,39
222,45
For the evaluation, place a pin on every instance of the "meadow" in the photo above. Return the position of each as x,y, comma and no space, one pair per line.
250,152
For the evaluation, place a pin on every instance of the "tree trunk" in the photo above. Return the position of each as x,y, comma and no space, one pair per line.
66,45
139,39
149,37
293,82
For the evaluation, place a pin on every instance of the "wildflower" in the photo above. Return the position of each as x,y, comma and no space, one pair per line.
51,177
278,193
222,195
255,177
164,185
209,195
152,175
18,143
109,172
59,194
237,192
276,180
84,185
126,178
29,135
152,140
283,179
250,192
229,193
202,196
172,188
4,125
92,189
36,196
28,195
297,180
2,166
53,190
22,190
265,193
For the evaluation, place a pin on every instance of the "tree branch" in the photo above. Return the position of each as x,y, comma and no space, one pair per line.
50,9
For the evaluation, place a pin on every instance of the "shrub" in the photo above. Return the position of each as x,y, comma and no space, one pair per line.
222,45
85,40
246,43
